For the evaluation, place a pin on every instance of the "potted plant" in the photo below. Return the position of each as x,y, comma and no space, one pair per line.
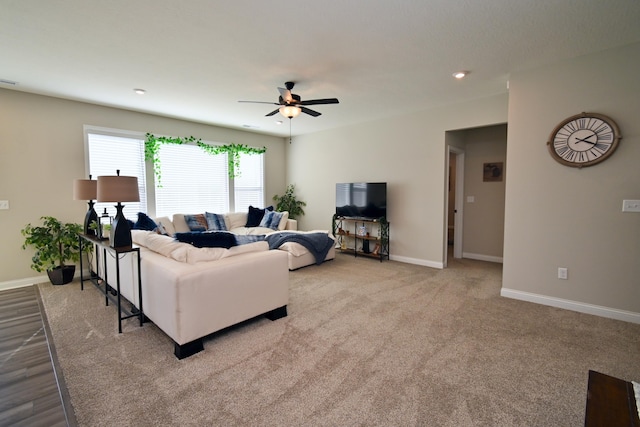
55,243
288,202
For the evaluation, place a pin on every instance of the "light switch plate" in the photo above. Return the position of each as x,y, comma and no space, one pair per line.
631,206
4,204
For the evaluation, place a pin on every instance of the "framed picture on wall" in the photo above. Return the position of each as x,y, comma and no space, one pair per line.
492,172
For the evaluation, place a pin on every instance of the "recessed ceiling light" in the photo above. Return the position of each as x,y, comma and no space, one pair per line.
279,122
140,91
460,74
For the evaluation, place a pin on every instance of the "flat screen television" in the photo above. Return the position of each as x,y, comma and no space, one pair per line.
361,200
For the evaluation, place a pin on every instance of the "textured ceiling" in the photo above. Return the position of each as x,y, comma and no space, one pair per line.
197,58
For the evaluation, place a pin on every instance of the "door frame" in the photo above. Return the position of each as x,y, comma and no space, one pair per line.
458,231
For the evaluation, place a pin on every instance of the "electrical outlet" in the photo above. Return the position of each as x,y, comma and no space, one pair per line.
4,204
563,273
631,206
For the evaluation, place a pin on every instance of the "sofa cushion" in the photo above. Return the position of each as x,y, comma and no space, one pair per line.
196,222
180,224
215,222
164,245
252,231
144,223
166,224
195,255
254,216
235,220
215,239
243,249
271,220
283,221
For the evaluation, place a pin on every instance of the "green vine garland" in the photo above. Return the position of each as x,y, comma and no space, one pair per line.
233,151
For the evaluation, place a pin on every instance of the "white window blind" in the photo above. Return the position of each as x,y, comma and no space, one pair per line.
107,154
191,181
249,186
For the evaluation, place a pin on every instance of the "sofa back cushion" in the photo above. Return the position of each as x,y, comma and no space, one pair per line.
180,224
164,245
165,223
235,220
195,255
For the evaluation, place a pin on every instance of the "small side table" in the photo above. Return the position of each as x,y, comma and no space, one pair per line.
102,248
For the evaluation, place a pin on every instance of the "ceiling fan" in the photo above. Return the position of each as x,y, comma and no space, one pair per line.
291,105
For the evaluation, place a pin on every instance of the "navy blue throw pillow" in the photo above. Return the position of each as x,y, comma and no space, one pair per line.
217,239
254,216
144,223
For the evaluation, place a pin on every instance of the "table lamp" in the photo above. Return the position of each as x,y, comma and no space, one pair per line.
86,189
119,189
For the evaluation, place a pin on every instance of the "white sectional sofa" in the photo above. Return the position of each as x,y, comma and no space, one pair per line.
298,255
191,292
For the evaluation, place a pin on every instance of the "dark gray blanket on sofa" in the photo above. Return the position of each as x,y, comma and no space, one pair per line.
316,243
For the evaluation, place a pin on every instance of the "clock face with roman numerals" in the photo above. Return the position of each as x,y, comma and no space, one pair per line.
584,140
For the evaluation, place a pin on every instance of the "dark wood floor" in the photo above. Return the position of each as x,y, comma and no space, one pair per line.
30,392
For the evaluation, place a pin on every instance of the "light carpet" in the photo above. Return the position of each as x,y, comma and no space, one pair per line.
365,344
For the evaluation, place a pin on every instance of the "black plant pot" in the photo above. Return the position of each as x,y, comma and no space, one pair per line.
61,275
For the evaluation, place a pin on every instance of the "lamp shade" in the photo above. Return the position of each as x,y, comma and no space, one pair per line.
85,189
290,111
118,189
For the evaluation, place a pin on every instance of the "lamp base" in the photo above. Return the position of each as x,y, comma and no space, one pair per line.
89,218
120,230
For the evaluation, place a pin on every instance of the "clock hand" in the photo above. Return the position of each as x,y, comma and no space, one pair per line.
585,140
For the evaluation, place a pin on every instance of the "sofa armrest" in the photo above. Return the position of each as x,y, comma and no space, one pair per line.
292,224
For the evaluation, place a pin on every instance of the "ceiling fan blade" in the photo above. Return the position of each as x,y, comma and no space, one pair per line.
320,101
286,95
260,102
310,112
272,113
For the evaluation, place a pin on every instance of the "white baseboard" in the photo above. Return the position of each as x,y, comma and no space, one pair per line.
416,261
596,310
29,281
20,283
481,257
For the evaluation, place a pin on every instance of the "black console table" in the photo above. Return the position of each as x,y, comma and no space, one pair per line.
102,250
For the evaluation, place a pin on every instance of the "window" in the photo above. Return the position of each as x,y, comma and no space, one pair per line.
191,180
249,186
107,154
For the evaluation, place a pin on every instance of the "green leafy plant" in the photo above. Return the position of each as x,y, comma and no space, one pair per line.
55,243
152,145
288,202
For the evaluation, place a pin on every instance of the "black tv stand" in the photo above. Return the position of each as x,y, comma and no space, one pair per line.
354,235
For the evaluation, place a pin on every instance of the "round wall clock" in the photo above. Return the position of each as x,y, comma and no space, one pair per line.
585,139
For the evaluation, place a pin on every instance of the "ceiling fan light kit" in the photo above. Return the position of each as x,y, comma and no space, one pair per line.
290,105
290,111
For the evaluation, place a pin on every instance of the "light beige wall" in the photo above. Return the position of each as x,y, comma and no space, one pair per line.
408,153
558,216
42,152
484,218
